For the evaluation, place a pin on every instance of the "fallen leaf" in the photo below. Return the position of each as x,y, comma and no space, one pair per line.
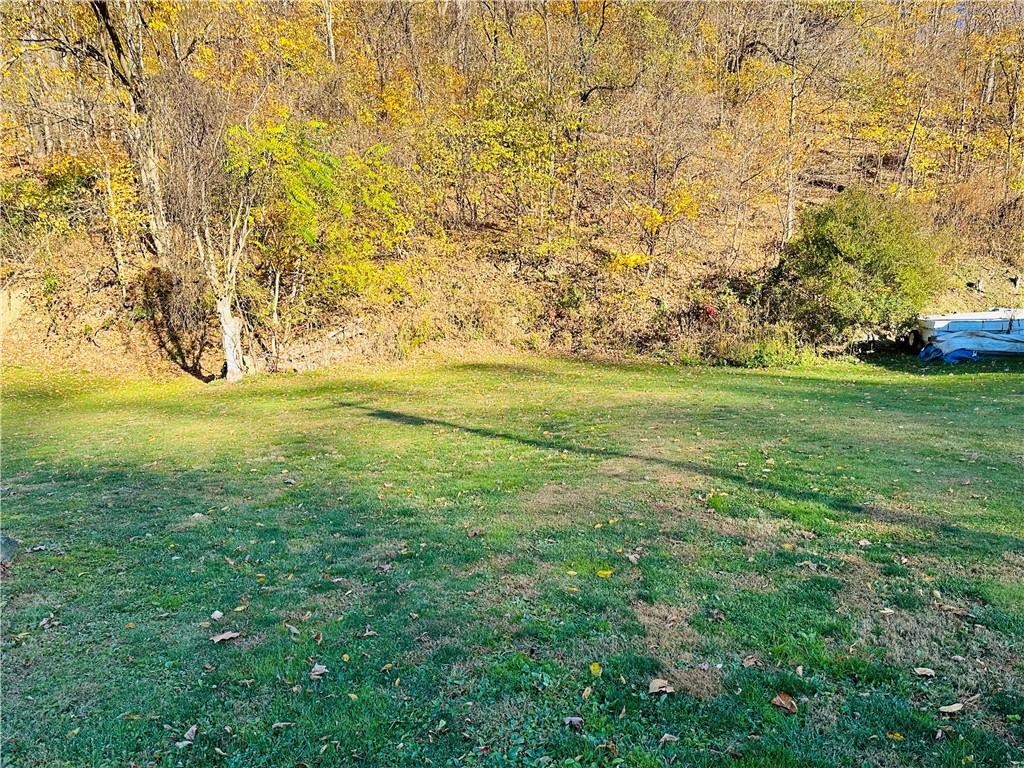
353,696
863,543
576,723
715,614
318,671
924,671
587,692
220,752
595,669
752,661
668,738
229,635
368,632
474,532
604,574
894,736
279,726
188,738
785,702
950,709
217,615
658,685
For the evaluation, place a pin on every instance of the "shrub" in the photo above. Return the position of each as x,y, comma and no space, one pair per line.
861,266
759,347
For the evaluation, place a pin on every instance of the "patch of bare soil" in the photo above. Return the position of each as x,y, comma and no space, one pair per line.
519,585
333,603
382,553
638,468
703,682
197,520
761,533
557,497
669,633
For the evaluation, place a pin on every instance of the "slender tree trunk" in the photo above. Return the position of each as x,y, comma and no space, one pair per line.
328,7
790,172
148,164
1012,97
913,136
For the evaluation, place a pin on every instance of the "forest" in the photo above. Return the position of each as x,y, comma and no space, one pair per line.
239,187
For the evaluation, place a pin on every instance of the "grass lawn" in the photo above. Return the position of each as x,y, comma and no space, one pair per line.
476,551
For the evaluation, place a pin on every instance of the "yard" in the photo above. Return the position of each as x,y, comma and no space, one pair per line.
495,562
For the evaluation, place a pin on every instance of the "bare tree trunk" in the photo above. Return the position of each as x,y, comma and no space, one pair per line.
148,164
222,264
787,233
1012,104
329,24
231,331
913,136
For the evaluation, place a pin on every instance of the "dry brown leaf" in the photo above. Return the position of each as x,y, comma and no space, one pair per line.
229,635
950,709
574,722
785,702
668,738
659,685
752,661
217,615
318,671
924,672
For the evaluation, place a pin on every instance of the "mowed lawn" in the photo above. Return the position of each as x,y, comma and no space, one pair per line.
476,551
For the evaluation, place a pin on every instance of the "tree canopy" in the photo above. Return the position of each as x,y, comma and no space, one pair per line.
579,173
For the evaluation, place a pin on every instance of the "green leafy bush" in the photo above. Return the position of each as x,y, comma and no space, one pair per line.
861,266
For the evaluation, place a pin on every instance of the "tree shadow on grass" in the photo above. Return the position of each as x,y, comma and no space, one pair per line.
957,539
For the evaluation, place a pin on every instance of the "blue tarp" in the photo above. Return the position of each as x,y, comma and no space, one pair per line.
959,346
931,352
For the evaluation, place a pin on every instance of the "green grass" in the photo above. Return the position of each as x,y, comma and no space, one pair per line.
434,533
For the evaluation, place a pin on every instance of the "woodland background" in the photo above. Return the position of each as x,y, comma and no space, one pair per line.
238,186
